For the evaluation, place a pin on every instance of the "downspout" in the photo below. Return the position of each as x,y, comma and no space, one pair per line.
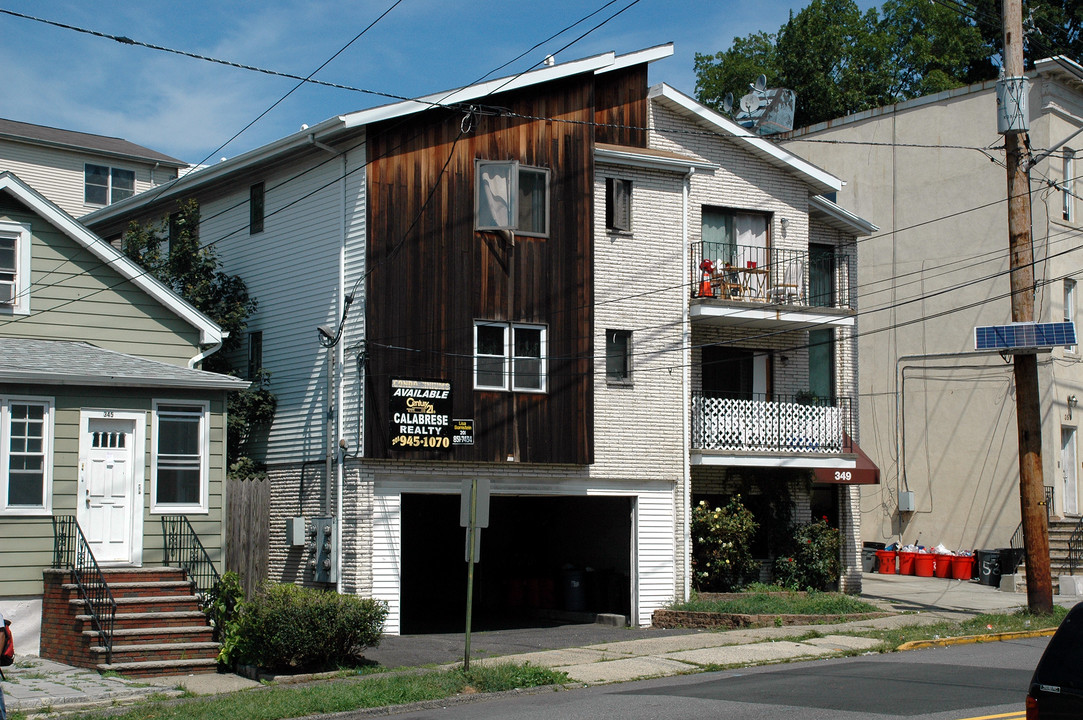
192,362
686,386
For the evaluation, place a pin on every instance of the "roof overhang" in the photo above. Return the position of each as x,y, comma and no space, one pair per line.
722,458
209,332
767,315
820,180
219,382
863,472
839,218
648,159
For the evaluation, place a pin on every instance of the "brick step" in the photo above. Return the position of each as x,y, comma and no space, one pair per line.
141,589
165,603
159,652
130,620
146,574
185,634
159,668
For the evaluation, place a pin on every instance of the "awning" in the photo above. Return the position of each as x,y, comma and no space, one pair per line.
864,473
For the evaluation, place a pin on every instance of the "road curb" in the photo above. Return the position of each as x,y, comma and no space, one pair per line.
970,639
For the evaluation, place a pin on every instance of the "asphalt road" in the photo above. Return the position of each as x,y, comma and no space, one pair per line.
967,681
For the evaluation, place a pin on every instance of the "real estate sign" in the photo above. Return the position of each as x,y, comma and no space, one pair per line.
420,414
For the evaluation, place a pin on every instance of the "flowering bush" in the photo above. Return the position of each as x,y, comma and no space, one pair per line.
722,546
813,560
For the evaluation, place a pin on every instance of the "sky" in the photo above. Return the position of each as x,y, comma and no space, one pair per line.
190,108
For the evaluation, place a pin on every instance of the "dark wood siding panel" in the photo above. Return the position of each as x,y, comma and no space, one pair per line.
431,279
621,113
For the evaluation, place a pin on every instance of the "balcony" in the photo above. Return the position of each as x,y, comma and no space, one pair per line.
768,287
798,431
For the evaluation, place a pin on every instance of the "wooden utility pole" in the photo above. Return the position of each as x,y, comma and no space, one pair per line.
1027,406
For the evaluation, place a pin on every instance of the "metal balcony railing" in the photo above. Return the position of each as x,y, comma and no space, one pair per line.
776,423
750,273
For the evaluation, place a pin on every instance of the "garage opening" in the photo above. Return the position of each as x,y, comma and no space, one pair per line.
543,560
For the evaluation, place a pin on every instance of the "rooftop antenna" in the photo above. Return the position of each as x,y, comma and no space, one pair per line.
727,103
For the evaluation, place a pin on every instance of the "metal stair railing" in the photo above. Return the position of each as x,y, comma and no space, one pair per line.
182,546
71,550
1075,547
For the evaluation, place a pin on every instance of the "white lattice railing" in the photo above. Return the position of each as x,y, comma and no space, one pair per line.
770,425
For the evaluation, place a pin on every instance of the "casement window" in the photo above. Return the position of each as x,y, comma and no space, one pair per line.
618,205
181,448
510,356
14,268
1069,308
1067,188
105,185
510,196
255,209
618,356
26,438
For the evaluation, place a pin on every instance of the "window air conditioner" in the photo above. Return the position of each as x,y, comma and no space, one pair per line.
7,292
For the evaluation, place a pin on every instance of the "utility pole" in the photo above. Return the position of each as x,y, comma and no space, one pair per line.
1027,406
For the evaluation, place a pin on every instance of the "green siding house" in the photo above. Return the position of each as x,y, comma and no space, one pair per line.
104,414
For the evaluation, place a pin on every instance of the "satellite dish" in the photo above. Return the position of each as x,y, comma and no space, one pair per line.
727,103
760,84
750,103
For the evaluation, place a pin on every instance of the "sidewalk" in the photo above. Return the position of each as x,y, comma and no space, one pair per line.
591,653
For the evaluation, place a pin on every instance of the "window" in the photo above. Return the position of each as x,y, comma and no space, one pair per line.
618,204
1069,308
509,356
255,353
14,268
509,196
1067,188
106,185
821,363
618,356
26,428
181,456
734,238
255,209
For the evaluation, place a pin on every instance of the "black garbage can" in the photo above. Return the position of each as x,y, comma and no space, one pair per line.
1010,559
869,562
988,562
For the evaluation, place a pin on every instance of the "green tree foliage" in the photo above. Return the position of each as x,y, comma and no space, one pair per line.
722,546
812,562
839,60
171,252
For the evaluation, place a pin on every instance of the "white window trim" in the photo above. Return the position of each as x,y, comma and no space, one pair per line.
509,357
1069,310
46,508
21,233
513,199
203,507
1068,186
109,185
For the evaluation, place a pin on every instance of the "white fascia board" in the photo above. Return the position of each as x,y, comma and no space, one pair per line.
768,316
210,173
859,225
820,179
649,55
647,161
481,90
214,383
209,331
1060,64
723,459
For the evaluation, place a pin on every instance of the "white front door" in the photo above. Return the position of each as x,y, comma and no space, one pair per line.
111,485
1067,470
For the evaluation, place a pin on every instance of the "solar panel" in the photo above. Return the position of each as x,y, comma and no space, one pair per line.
1024,336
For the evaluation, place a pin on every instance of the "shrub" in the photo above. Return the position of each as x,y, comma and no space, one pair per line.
224,603
813,560
722,546
291,628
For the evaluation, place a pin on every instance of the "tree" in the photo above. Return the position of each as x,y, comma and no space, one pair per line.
171,252
839,60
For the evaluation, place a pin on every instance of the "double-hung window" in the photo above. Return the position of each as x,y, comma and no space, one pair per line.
181,456
26,430
510,196
105,185
14,268
510,356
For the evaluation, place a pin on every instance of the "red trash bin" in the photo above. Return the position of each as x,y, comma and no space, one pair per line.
886,560
923,564
962,567
943,566
906,563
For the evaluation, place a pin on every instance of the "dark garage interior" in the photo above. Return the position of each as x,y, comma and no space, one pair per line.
543,560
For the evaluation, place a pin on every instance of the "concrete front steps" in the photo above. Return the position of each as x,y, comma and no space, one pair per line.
159,628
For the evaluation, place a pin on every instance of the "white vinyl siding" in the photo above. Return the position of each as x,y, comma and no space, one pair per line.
303,218
59,174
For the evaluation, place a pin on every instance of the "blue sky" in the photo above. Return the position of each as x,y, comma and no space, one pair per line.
187,108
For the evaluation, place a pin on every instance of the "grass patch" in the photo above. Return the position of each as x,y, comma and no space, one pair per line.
780,602
279,701
1020,621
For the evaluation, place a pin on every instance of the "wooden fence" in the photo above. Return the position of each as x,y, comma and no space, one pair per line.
247,538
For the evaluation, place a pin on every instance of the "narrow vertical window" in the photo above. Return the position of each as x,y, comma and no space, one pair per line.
255,209
1069,308
529,360
490,352
618,355
255,353
618,204
8,270
1068,186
